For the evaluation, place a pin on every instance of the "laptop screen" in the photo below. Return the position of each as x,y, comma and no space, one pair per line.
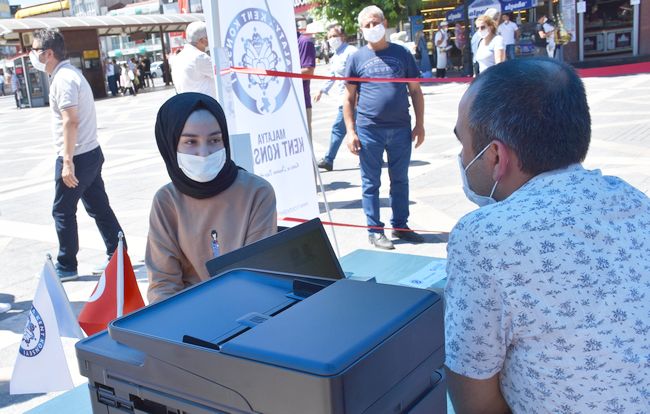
304,249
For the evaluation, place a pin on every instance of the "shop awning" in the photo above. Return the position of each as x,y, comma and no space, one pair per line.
105,25
51,7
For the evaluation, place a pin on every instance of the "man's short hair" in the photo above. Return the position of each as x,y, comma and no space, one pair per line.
543,117
51,39
196,31
337,28
370,11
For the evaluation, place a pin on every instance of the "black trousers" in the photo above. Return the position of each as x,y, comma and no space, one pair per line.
88,170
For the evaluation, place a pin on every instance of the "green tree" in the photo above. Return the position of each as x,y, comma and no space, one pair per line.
345,12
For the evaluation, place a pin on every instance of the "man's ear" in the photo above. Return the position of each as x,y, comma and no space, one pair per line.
502,160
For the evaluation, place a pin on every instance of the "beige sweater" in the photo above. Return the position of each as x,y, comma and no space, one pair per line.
179,241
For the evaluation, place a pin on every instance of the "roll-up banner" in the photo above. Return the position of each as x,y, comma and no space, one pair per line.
266,115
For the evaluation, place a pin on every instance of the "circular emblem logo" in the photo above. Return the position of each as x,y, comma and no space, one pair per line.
256,40
34,335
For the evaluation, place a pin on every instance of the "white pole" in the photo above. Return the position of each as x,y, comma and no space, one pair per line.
120,274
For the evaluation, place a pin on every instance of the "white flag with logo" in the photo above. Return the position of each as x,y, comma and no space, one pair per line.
41,365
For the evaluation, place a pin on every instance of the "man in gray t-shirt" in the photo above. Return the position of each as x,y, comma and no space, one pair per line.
79,157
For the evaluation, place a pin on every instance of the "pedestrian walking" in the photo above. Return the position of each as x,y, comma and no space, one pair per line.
383,124
126,79
337,40
79,156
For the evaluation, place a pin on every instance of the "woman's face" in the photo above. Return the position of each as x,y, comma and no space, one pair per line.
201,135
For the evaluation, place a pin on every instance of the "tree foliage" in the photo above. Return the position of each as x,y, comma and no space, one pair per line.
345,12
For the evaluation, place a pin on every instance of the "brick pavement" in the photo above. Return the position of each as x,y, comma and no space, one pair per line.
134,171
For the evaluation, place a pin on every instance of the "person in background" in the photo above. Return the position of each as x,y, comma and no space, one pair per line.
307,53
147,70
509,31
78,168
546,302
2,83
476,38
126,79
441,41
210,207
342,51
192,69
118,73
383,124
141,70
15,87
490,50
111,77
546,30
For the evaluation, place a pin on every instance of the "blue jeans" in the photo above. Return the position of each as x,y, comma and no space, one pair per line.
397,144
510,52
336,138
88,170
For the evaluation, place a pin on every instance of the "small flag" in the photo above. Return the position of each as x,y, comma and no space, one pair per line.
41,365
117,285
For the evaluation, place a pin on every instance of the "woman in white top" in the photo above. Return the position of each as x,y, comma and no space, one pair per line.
490,49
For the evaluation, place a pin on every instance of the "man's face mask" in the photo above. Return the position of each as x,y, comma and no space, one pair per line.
477,199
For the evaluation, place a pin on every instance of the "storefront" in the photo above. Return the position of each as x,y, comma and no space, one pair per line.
610,29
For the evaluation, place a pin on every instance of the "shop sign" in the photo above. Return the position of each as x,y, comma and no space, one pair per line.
456,14
510,6
91,54
479,7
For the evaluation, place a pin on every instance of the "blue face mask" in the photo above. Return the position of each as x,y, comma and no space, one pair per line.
477,199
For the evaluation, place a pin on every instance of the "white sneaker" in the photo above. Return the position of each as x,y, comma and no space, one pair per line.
99,269
4,307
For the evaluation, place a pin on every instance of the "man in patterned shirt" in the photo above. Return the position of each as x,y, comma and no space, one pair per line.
547,299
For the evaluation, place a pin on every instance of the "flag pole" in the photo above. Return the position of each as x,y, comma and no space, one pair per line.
120,274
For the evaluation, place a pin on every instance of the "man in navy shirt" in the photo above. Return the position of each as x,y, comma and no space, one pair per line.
383,124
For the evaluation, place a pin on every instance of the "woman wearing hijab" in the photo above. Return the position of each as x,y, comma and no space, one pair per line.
211,206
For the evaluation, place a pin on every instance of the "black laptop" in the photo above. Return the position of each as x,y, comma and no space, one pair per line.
304,249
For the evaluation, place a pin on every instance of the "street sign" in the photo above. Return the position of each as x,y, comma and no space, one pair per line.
581,7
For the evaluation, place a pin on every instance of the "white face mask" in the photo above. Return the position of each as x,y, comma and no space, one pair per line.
483,33
477,199
374,34
37,64
335,42
201,169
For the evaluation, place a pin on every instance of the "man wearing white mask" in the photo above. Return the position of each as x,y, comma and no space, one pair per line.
383,124
342,52
546,304
79,157
192,68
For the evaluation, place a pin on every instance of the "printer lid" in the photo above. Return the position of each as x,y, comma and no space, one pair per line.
330,330
322,334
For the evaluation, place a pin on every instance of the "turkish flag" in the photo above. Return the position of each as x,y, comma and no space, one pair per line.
101,307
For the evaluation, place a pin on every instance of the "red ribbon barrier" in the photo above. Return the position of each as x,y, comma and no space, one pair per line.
618,70
358,226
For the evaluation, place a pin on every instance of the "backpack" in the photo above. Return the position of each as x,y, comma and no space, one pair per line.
537,39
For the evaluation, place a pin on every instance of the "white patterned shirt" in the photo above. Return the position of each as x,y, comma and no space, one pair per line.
551,289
